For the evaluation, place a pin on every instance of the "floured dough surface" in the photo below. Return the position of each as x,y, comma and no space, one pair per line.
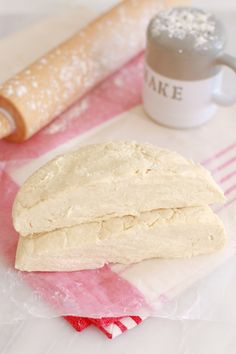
171,233
109,180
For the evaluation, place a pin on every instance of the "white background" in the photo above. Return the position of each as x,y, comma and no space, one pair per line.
154,335
29,6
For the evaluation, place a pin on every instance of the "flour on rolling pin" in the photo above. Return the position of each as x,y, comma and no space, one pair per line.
51,84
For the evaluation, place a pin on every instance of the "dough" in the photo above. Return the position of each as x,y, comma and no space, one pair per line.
162,233
114,179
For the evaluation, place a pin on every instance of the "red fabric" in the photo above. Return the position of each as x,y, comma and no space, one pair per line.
106,321
81,323
137,319
122,327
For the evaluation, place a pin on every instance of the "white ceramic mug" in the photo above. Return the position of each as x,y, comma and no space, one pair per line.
183,68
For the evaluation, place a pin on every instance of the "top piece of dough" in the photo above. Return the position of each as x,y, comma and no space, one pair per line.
107,180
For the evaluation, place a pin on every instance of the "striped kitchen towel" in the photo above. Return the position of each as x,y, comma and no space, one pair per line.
111,327
223,167
115,290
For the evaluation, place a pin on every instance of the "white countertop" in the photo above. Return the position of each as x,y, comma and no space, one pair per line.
55,336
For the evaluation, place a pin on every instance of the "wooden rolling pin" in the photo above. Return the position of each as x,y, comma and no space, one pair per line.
32,98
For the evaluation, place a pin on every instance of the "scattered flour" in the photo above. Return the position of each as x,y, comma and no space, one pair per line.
21,90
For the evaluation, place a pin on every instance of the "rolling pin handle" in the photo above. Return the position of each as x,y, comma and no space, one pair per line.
6,127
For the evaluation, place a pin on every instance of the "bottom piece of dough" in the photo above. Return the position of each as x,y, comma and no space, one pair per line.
166,233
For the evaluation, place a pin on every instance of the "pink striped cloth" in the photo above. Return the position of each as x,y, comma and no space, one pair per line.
105,288
223,167
111,327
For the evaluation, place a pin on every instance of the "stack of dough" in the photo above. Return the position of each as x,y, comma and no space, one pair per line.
119,202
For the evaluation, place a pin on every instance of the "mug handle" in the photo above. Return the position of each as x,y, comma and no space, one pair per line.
219,97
